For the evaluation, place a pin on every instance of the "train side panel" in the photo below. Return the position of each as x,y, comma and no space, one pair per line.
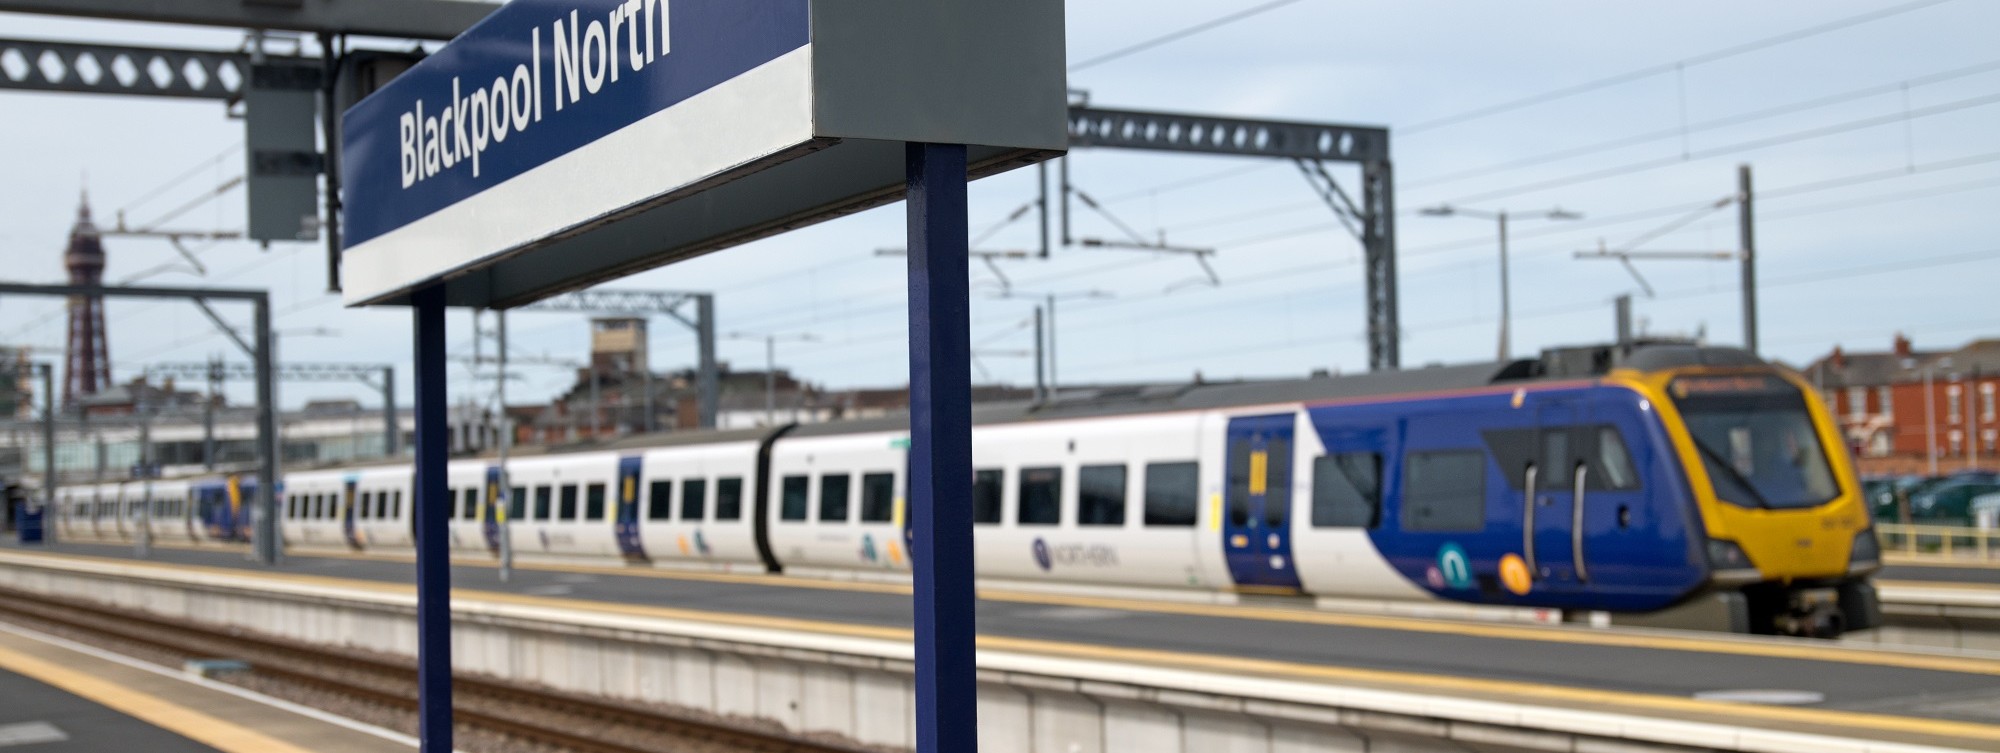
1113,501
695,506
833,501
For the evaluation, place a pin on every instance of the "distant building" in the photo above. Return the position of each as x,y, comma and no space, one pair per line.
129,398
1899,407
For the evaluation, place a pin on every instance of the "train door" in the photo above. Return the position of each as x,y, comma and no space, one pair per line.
628,510
1552,513
215,517
492,512
350,527
1256,520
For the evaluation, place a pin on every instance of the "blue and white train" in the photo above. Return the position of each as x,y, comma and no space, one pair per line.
1668,479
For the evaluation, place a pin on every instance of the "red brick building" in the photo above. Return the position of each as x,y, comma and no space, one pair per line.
1899,407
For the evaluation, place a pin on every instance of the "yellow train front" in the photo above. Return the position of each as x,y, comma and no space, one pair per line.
1789,541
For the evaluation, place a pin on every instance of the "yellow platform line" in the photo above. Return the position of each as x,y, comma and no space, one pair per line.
1508,690
1505,690
180,720
1798,650
1920,560
1953,585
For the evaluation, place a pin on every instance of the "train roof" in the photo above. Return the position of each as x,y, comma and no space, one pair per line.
1553,364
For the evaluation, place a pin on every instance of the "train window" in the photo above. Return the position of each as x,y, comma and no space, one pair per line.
660,495
361,512
878,497
729,498
1173,492
1041,497
382,507
593,502
1278,482
1614,464
544,500
694,499
469,508
517,503
1557,461
1444,491
833,494
396,505
566,504
1100,495
792,505
986,496
1347,490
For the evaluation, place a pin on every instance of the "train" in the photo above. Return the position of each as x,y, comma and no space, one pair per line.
1675,480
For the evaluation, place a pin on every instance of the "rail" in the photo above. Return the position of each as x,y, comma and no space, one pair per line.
1940,543
549,720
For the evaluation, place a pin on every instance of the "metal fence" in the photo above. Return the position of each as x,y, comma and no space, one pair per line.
1958,543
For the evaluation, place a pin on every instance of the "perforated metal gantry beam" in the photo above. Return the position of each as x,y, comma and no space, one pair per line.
1311,145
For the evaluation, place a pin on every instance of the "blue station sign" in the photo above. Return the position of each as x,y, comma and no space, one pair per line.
562,142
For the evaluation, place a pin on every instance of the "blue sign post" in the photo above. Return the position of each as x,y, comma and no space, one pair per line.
941,450
561,143
433,517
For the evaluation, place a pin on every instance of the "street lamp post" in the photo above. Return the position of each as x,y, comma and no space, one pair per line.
1500,217
771,366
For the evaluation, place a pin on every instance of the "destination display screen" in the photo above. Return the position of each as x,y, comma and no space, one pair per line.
1729,384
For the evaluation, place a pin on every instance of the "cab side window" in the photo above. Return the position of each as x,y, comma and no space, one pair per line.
1347,490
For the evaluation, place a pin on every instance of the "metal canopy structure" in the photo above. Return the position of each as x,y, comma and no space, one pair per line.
1372,220
223,75
265,541
764,120
669,303
379,377
402,19
83,68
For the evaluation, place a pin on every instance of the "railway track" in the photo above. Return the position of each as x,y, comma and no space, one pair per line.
563,721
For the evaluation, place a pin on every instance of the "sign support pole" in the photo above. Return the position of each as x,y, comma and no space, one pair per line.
941,450
431,507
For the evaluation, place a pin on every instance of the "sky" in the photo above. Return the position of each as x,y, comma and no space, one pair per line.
1872,146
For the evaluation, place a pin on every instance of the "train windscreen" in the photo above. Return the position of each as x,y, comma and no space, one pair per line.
1757,440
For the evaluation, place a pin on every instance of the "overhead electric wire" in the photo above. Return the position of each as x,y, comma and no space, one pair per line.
1320,266
181,178
1721,122
1655,70
1295,272
1180,34
1295,341
1741,146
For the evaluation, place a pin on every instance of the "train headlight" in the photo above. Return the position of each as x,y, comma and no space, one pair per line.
1867,551
1727,555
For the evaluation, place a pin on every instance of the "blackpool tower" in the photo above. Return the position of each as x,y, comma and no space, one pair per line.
89,358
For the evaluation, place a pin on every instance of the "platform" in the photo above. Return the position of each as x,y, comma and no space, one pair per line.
1934,571
68,698
1905,697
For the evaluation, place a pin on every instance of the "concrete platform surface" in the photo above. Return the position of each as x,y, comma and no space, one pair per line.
67,698
1904,696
